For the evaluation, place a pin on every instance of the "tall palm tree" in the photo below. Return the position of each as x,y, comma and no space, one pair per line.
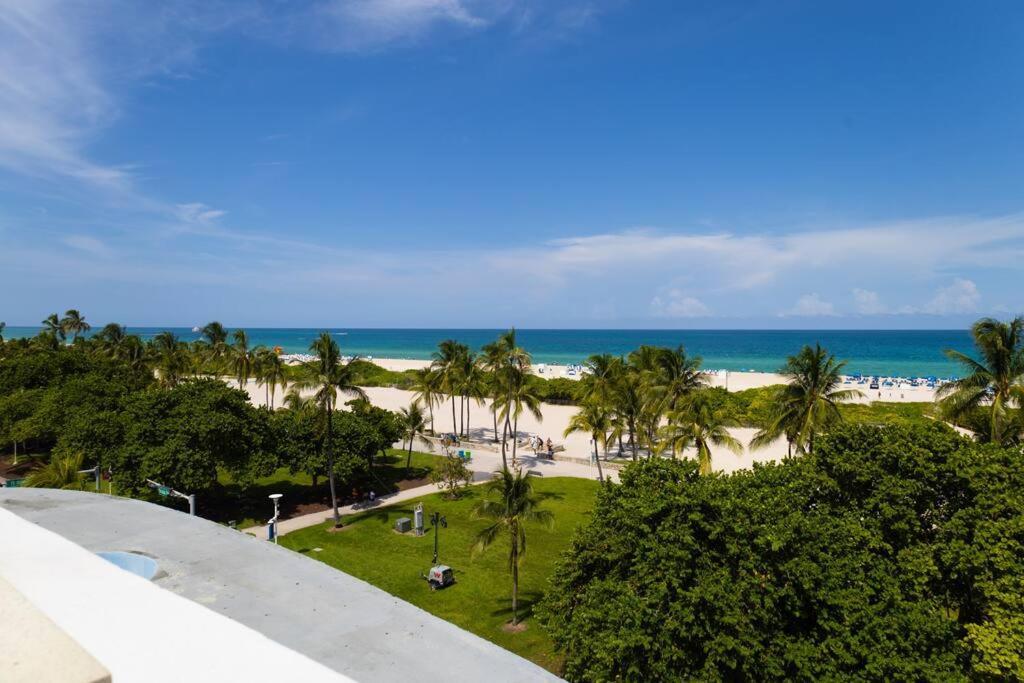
628,398
111,338
3,326
448,364
327,376
809,403
997,379
515,507
696,423
214,337
603,371
414,427
679,374
62,472
596,420
74,322
242,359
518,395
272,373
474,385
52,326
492,360
426,389
170,358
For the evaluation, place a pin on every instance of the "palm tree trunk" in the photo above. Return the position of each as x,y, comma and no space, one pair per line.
504,444
408,458
515,439
455,426
515,579
430,405
597,459
330,471
494,414
632,440
467,418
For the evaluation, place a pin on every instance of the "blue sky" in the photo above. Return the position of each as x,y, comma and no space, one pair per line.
478,163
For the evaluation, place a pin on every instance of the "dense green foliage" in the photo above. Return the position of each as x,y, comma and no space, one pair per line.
182,436
893,553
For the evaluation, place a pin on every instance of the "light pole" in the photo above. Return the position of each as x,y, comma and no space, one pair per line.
437,520
272,525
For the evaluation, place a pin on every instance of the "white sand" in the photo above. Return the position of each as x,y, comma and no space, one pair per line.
731,380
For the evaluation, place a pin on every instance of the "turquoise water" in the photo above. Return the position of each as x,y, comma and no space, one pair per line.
916,353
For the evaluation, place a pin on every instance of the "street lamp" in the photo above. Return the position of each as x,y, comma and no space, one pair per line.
437,520
272,524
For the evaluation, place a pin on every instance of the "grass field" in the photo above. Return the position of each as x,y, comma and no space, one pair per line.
480,601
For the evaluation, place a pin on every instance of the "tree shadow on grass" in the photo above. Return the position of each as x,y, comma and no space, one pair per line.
527,601
233,502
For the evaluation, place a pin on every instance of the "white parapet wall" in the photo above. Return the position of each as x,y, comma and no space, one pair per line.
124,624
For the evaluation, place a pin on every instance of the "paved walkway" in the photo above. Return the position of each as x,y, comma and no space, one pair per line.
484,463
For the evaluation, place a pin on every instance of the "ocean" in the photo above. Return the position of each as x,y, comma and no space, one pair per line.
916,353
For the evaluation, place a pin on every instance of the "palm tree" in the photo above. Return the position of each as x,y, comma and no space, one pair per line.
997,379
242,359
516,505
594,419
52,326
215,339
427,390
603,371
474,386
62,472
629,396
111,338
809,403
3,326
679,374
327,376
414,426
170,359
448,364
74,323
492,360
698,424
271,372
518,394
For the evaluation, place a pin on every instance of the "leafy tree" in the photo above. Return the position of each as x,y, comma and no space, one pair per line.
996,381
181,436
452,476
511,508
895,553
327,376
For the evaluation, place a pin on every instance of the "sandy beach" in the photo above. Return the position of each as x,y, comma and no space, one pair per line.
556,417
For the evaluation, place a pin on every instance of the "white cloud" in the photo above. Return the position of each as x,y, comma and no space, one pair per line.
962,296
811,305
676,304
197,213
89,245
867,302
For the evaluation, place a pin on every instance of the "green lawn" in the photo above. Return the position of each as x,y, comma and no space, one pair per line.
250,506
480,600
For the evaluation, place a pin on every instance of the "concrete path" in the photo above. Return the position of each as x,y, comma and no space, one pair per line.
484,464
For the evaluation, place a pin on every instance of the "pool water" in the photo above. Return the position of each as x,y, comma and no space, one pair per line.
140,565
